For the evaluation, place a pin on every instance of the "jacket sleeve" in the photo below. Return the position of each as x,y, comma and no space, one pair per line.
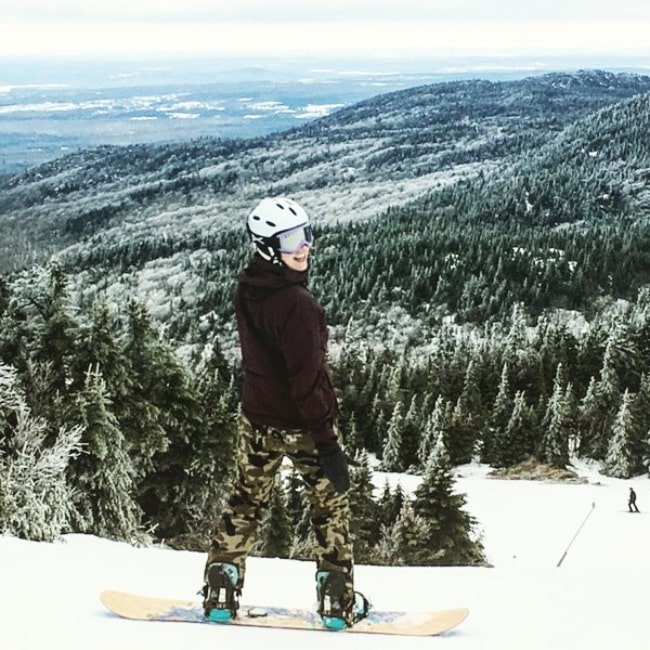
303,344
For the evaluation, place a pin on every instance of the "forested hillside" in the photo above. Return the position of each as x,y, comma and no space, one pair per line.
483,257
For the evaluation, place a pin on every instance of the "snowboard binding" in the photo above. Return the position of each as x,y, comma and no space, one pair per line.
336,607
221,593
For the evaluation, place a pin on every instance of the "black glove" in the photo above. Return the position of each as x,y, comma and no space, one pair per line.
334,464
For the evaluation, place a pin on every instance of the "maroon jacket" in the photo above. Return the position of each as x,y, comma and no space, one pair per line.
283,338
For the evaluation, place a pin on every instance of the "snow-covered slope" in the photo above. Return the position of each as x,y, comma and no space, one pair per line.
597,598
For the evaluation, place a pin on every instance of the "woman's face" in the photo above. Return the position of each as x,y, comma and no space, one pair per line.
298,260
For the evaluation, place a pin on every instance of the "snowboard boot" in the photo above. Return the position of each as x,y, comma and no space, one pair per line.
337,605
221,593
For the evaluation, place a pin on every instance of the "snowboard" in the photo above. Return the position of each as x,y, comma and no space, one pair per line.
147,608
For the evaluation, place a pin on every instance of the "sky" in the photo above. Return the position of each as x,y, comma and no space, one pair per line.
597,599
347,27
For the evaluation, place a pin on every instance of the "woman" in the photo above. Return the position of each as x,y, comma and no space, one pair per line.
289,410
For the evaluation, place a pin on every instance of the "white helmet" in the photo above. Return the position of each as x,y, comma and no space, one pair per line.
278,225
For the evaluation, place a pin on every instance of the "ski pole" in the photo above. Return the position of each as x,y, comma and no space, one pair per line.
584,521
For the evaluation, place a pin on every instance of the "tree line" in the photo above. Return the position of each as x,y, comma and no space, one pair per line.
106,431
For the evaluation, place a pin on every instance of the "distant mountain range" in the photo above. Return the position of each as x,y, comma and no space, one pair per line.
51,108
131,218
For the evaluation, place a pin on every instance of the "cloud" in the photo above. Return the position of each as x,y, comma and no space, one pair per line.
263,11
447,27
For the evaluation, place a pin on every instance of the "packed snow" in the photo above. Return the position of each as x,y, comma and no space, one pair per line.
596,598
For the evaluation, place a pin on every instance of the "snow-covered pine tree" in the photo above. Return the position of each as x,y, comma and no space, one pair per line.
412,431
216,441
103,474
98,347
35,496
275,537
390,504
374,442
402,543
467,418
449,538
165,430
392,458
499,417
641,412
434,425
557,424
353,437
39,339
623,458
364,511
599,407
514,444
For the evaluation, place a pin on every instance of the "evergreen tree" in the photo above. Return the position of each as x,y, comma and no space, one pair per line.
353,436
35,496
364,511
216,442
391,504
448,539
513,445
39,339
103,475
402,543
275,536
392,457
641,413
166,432
499,418
98,347
411,435
598,409
623,459
142,414
376,436
557,424
467,419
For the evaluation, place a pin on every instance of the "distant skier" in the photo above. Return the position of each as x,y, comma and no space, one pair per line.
631,502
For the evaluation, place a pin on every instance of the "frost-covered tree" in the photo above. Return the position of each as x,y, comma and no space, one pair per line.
557,424
411,434
512,445
391,504
623,458
402,544
467,418
364,510
597,411
35,496
641,412
499,417
165,430
353,437
392,457
276,533
103,474
435,425
39,336
98,347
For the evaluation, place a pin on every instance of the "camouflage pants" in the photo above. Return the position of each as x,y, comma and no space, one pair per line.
259,458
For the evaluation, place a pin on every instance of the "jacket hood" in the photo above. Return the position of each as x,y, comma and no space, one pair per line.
263,275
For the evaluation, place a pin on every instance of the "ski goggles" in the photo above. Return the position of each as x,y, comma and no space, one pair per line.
293,240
